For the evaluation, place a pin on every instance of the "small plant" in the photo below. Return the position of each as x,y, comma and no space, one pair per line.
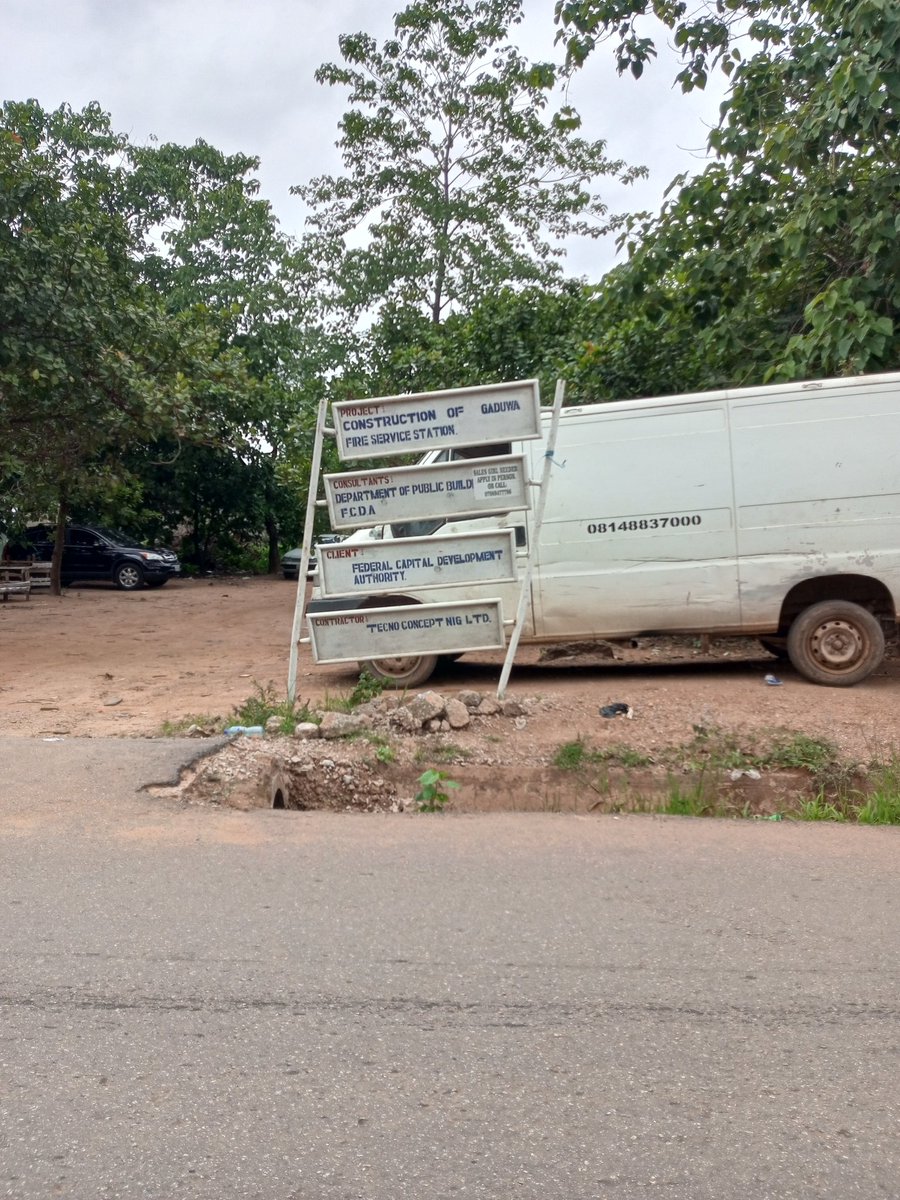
385,754
625,756
882,804
367,688
799,751
687,802
432,796
266,703
820,809
571,756
576,756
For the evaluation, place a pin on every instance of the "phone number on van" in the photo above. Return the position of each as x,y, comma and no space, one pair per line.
635,525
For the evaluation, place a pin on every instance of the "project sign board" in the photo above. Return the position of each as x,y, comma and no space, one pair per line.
442,561
409,630
468,487
391,425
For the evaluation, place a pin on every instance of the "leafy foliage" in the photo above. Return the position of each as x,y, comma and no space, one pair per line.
154,360
92,361
781,259
433,795
458,176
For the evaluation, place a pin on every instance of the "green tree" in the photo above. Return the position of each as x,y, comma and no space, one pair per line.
511,333
459,176
90,360
781,259
151,337
213,242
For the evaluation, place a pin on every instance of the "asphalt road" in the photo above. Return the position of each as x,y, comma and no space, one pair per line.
294,1006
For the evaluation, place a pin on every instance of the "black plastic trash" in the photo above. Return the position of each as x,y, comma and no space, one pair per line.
618,709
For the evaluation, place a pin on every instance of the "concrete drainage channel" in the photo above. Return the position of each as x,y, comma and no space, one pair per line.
317,776
262,773
371,760
367,760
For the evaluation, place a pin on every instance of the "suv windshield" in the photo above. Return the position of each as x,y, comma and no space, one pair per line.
116,536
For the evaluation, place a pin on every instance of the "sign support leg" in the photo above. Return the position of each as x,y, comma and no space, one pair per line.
525,590
312,494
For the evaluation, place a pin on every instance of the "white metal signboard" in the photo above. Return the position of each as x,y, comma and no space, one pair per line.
389,425
408,630
441,561
468,487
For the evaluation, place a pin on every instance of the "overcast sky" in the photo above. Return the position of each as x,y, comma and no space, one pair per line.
239,74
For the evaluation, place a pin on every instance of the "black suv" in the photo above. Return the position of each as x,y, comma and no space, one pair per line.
93,552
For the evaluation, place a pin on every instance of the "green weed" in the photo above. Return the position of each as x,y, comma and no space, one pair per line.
625,756
571,756
266,703
798,751
820,809
576,756
691,801
367,688
384,751
882,802
432,795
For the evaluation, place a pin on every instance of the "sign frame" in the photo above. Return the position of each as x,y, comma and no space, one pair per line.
345,492
456,641
417,562
387,426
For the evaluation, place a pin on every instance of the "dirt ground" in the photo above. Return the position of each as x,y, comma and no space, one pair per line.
98,662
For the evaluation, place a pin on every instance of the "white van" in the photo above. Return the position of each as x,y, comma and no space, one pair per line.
771,511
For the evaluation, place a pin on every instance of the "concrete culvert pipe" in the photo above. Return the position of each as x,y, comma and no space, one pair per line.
279,791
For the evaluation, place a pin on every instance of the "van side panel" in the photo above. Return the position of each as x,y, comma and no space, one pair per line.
506,593
638,533
817,490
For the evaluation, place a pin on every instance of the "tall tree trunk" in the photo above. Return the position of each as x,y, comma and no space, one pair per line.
437,301
272,535
62,513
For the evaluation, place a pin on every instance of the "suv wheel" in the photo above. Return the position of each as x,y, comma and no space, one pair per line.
128,576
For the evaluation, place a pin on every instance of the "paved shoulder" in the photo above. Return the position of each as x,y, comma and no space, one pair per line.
46,772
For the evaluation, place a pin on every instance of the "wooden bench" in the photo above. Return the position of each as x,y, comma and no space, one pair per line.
40,575
15,580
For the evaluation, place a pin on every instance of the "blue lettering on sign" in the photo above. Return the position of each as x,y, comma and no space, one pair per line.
499,406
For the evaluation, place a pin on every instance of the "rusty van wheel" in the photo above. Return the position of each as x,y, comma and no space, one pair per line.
406,672
399,671
836,643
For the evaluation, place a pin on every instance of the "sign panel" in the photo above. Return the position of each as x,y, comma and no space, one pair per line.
389,425
469,487
408,630
441,561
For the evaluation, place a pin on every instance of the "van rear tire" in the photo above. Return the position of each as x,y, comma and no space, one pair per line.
836,643
401,672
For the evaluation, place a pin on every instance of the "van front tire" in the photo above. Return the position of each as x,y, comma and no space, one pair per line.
401,672
836,643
